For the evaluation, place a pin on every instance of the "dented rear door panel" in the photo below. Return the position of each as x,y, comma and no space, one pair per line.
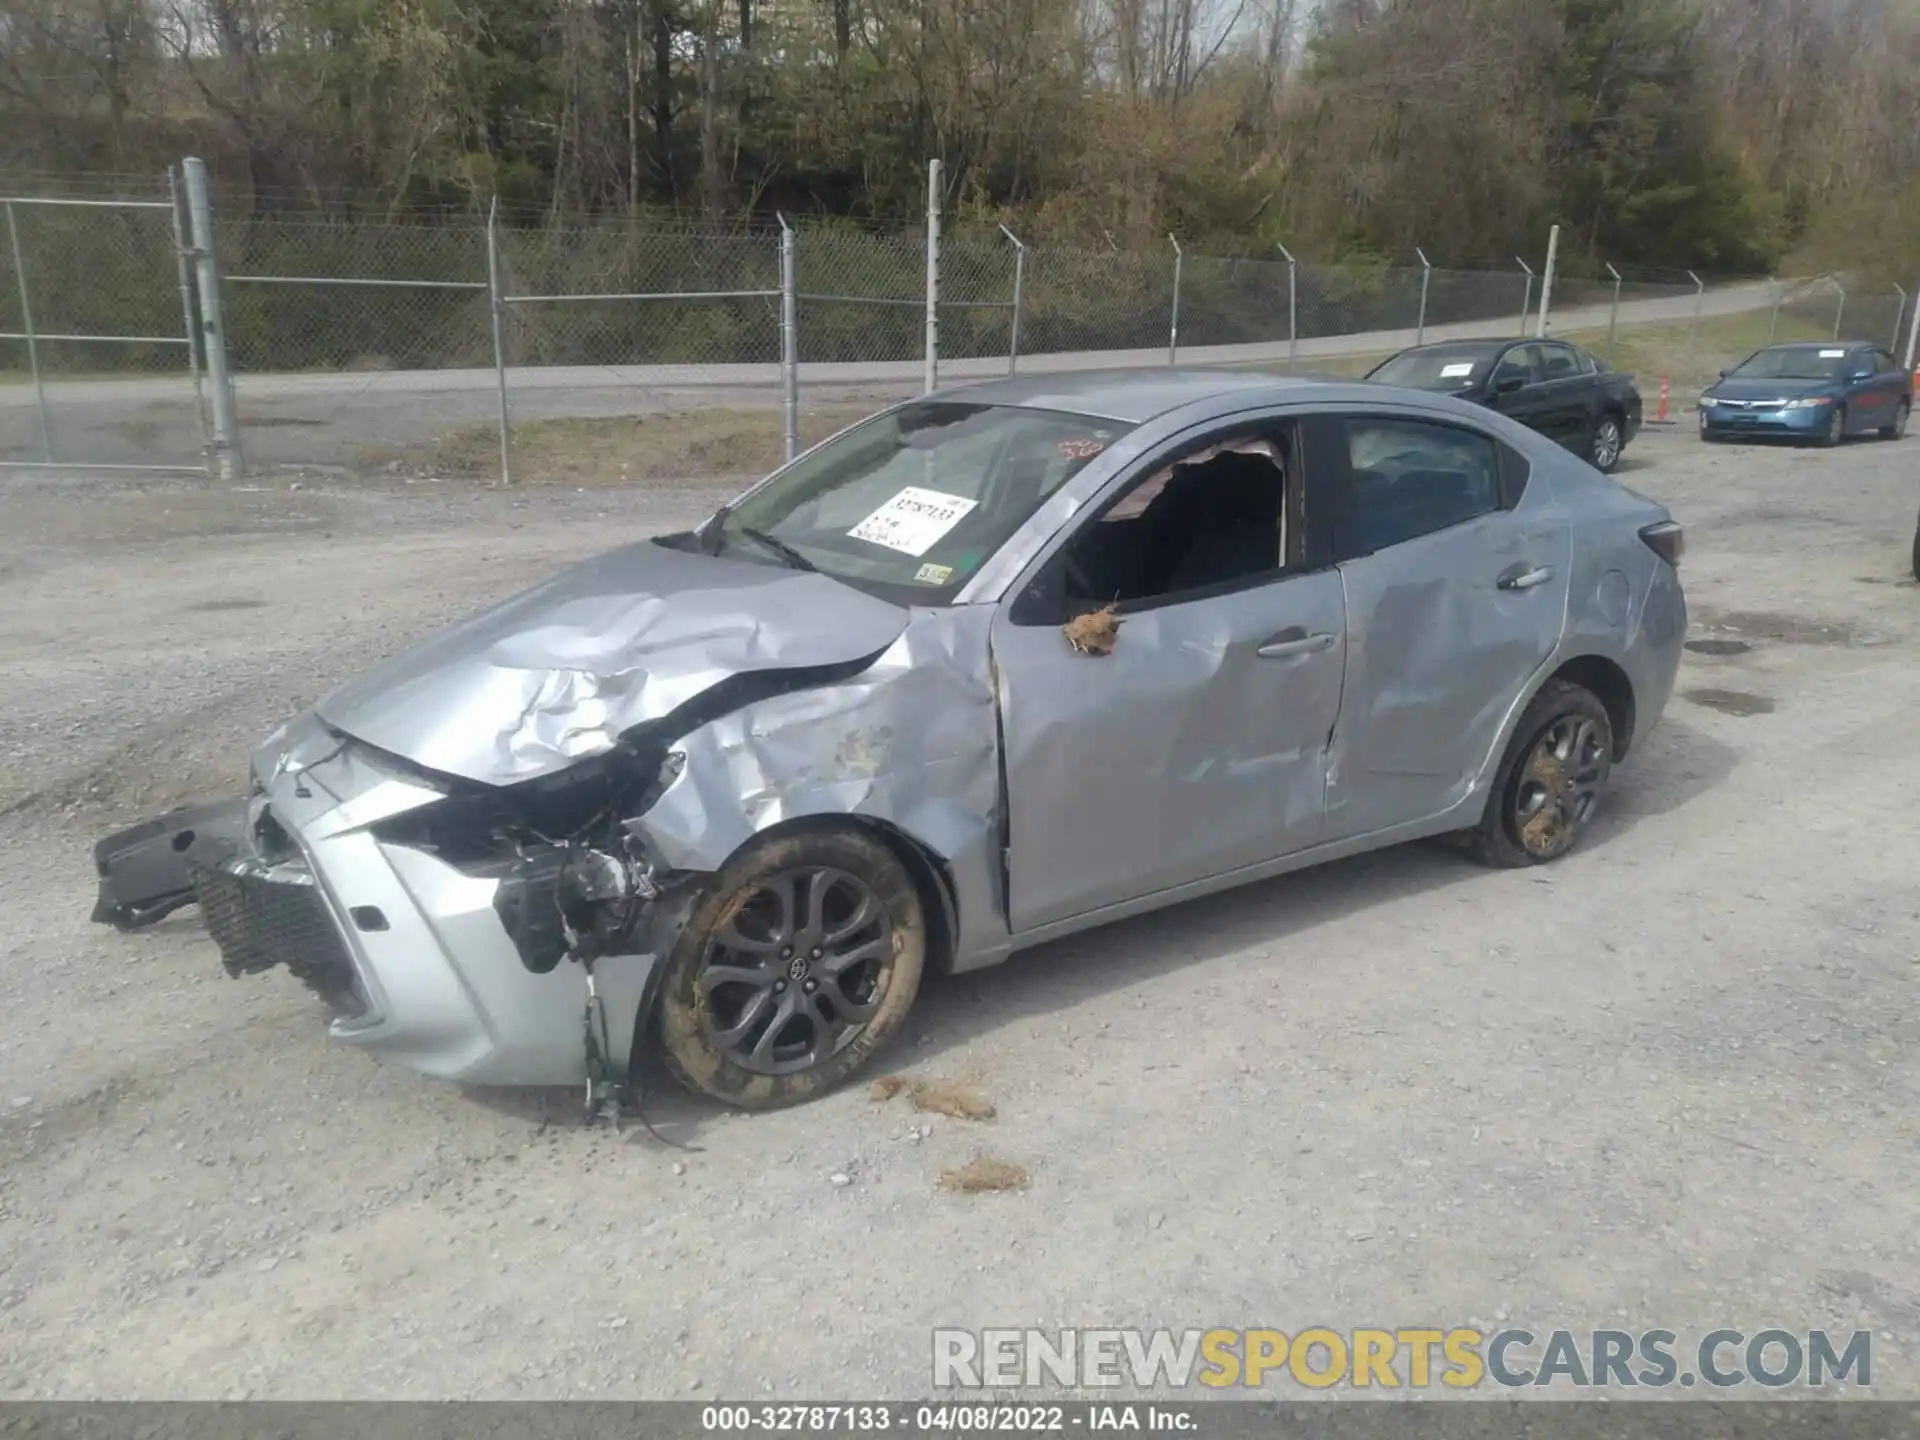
1438,653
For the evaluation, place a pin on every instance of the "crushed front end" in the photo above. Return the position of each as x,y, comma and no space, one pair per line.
487,935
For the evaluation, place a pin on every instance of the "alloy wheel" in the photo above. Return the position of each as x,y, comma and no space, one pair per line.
796,970
1606,445
1559,785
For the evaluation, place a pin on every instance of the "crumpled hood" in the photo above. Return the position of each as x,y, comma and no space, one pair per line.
559,673
1744,389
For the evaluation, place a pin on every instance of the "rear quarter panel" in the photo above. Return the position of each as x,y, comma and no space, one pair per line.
1624,603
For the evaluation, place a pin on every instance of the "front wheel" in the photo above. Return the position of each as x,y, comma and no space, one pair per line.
800,962
1896,427
1549,782
1836,430
1604,451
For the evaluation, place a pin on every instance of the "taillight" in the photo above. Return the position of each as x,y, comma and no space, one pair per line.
1667,540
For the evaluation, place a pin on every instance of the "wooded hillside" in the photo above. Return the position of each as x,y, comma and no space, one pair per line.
1725,135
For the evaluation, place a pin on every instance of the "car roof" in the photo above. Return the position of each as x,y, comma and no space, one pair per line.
1134,396
1819,345
1465,347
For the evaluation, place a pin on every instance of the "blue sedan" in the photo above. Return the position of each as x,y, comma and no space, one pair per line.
1822,393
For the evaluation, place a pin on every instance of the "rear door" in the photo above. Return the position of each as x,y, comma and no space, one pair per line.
1568,389
1455,570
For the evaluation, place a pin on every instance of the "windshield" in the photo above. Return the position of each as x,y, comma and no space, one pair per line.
1798,362
909,504
1441,368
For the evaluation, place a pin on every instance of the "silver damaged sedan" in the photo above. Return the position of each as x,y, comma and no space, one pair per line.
992,666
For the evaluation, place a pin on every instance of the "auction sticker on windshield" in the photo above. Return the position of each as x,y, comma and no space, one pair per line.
1456,370
913,521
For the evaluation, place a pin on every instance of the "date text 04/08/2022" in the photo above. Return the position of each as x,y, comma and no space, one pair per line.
947,1419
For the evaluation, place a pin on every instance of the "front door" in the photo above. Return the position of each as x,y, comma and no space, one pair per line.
1532,403
1456,578
1197,744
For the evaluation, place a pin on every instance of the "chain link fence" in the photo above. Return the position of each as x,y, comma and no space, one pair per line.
93,296
360,342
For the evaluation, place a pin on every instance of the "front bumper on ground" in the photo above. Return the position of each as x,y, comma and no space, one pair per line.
409,952
1805,421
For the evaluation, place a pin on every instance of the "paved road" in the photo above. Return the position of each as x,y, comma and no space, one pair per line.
332,419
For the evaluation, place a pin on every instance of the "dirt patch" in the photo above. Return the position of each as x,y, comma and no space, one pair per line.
1777,625
619,449
935,1096
1718,647
984,1173
1730,702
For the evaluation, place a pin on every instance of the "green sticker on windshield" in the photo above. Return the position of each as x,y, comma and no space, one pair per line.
967,560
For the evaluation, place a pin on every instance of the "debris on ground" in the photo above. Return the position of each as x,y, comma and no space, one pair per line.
934,1096
984,1173
1094,633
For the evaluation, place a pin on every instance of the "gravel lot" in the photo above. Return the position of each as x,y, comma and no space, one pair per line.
1660,1084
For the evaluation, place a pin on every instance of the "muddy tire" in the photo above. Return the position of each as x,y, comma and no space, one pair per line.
800,962
1895,428
1549,782
1835,432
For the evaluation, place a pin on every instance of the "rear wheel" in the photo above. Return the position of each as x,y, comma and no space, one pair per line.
800,962
1549,783
1607,442
1897,427
1836,430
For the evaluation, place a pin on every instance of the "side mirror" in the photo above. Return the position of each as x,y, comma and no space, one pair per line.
1507,384
1863,375
1725,370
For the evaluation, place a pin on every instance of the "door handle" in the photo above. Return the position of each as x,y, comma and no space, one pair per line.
1295,642
1525,579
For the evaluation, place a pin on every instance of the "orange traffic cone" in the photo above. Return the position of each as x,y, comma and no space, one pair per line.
1661,413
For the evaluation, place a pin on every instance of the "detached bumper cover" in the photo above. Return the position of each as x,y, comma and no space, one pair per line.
146,872
409,951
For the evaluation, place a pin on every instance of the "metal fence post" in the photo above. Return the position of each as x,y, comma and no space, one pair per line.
497,308
1899,316
1546,279
1913,335
1526,296
1773,320
33,344
1693,340
1019,290
1840,308
182,252
1293,308
213,326
789,336
1613,312
1173,326
933,276
1426,278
